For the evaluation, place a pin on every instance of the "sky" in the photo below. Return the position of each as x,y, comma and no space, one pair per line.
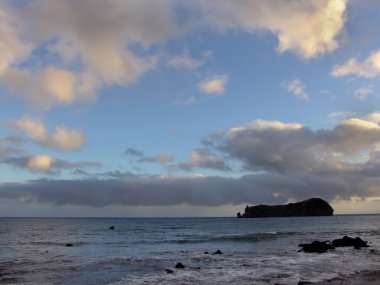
142,108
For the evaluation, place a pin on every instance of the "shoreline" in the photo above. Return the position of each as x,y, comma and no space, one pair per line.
364,277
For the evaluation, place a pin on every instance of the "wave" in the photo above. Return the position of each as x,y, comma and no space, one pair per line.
236,238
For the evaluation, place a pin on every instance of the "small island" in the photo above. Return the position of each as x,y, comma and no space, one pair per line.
310,207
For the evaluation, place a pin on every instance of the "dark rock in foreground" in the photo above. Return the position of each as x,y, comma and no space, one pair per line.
323,246
111,227
218,252
169,271
349,241
316,246
310,207
69,244
179,265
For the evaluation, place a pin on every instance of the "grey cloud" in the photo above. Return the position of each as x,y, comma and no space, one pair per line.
12,140
157,158
10,146
160,158
50,165
134,152
286,148
202,191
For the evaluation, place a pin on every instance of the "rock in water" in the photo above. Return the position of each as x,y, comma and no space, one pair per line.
69,244
349,241
111,227
316,246
310,207
179,265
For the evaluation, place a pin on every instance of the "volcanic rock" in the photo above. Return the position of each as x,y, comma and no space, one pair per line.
310,207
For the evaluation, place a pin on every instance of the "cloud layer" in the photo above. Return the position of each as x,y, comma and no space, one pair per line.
286,162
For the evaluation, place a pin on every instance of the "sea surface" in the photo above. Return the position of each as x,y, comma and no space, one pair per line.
137,251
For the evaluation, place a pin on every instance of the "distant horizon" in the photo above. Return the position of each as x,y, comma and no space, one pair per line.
179,217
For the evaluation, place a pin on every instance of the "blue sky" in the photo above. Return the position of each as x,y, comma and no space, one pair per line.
172,108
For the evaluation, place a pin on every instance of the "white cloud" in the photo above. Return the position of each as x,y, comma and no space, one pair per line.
214,85
309,28
362,93
63,138
79,34
184,61
298,89
368,68
40,163
339,116
49,86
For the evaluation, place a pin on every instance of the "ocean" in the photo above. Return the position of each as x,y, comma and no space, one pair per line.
137,251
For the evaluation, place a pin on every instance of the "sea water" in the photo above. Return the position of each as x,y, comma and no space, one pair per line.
137,251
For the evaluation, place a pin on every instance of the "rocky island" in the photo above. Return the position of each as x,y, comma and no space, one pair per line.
310,207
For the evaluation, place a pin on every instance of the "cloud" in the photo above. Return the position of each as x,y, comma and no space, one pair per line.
286,161
368,68
13,49
297,89
286,148
214,85
160,158
47,164
82,48
362,93
49,86
11,145
186,101
63,138
339,116
184,61
197,190
203,159
308,28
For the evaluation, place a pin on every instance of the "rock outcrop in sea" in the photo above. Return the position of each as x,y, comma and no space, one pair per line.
310,207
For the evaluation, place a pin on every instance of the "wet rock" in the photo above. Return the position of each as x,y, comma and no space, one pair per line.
316,246
69,244
206,252
169,271
111,227
179,265
357,242
217,252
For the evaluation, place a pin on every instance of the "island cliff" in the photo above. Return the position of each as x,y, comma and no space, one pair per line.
310,207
